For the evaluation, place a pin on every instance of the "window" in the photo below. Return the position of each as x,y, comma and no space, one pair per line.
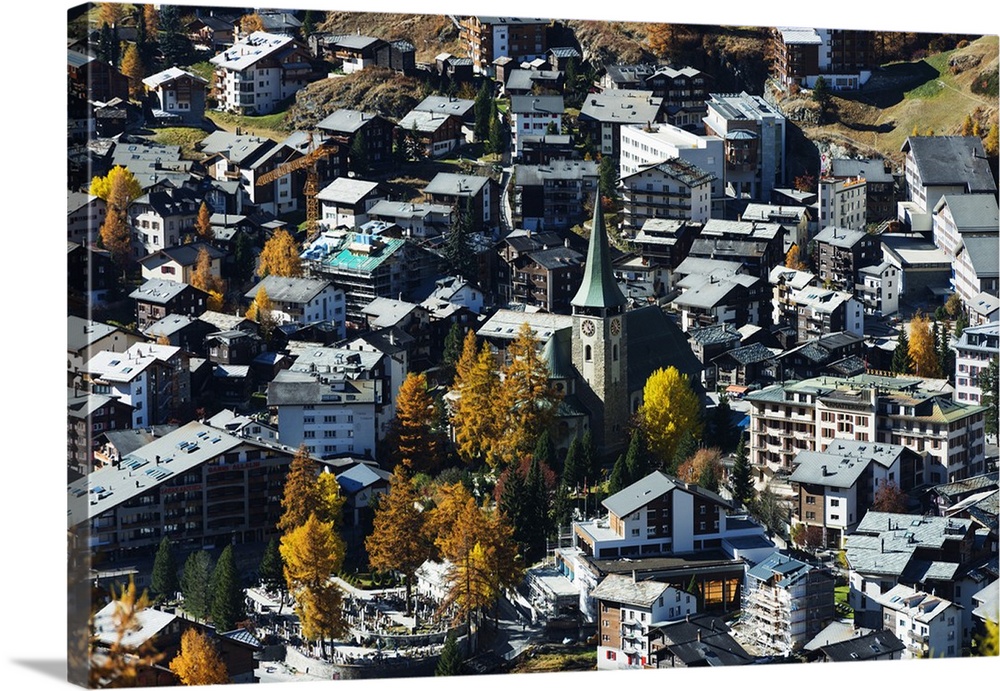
309,434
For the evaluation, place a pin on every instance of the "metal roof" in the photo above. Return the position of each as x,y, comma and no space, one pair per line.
598,289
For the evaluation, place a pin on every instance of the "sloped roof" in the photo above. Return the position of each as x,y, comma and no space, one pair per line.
951,160
599,289
623,589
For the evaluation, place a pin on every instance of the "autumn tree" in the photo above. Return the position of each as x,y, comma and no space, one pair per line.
152,18
250,23
261,311
164,583
793,260
312,553
111,13
670,409
473,416
414,441
202,277
921,348
198,663
114,662
228,596
118,189
967,126
399,541
890,498
301,496
331,499
196,582
526,400
990,143
280,256
133,68
704,469
203,224
449,502
661,39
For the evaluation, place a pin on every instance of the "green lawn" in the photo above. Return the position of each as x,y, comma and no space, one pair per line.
272,126
185,137
840,598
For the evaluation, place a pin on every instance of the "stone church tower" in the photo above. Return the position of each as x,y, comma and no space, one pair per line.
599,343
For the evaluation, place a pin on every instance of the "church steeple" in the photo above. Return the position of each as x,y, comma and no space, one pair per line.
599,290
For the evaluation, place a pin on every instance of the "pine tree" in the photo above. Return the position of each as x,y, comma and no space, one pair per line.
243,259
452,350
687,446
741,480
902,363
271,570
198,663
572,475
398,540
539,507
164,583
545,451
498,134
482,111
514,504
228,596
636,459
607,179
989,385
450,662
458,252
358,154
589,461
945,355
301,496
174,45
196,584
619,478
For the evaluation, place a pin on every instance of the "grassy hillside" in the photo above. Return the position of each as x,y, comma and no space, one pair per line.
430,34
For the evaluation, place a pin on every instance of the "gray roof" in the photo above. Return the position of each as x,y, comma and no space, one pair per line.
702,640
187,254
557,257
82,404
706,292
678,169
397,209
387,311
784,570
843,462
84,332
353,41
238,148
984,253
528,175
523,80
250,50
748,355
655,341
871,169
612,106
345,120
989,602
425,120
623,589
649,488
536,104
347,190
288,289
840,237
884,543
565,52
446,104
959,488
454,184
168,75
714,334
159,291
170,324
972,212
866,647
951,160
492,20
293,387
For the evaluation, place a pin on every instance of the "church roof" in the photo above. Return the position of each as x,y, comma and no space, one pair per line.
599,288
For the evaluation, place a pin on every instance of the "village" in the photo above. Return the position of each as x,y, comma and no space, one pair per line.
501,351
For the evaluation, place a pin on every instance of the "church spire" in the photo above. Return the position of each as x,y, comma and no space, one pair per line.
599,289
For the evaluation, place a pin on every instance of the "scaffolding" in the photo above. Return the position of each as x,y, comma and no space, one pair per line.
767,617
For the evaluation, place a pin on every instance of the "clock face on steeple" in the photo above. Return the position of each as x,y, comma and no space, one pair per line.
616,326
587,327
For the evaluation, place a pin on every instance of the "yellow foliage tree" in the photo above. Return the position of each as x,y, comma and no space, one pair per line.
321,612
967,126
132,68
261,311
450,501
152,16
202,276
111,13
472,418
203,224
250,23
118,188
280,256
113,663
526,400
398,541
116,237
990,143
216,301
301,497
414,441
660,38
331,500
198,662
793,259
670,409
921,348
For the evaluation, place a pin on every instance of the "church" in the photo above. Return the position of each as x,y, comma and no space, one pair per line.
599,356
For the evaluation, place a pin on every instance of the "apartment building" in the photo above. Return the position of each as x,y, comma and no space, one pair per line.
603,116
842,252
259,71
878,289
843,202
754,135
786,602
551,196
534,115
928,626
648,143
973,351
811,414
627,608
880,185
489,38
672,189
302,301
962,216
819,312
936,166
844,58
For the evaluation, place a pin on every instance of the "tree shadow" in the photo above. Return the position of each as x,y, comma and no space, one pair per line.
889,83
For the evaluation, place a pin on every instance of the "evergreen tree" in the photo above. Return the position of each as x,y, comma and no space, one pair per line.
450,662
308,24
483,111
945,355
174,45
228,596
196,584
459,254
243,259
902,363
636,459
452,350
590,464
498,133
358,154
562,507
619,478
723,430
607,179
164,583
545,451
989,384
539,507
271,569
572,472
741,479
105,49
687,445
514,505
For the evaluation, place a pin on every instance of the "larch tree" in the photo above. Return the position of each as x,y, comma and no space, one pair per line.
921,348
164,583
228,596
793,259
526,400
416,443
198,663
196,584
313,552
301,497
991,142
250,23
670,409
113,662
450,500
202,277
280,256
473,416
261,310
967,126
331,499
134,70
398,541
118,189
111,13
152,17
704,469
203,223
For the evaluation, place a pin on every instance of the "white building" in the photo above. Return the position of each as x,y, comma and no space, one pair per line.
936,166
303,301
976,268
879,289
643,145
754,143
417,219
957,217
346,202
260,71
843,202
533,115
85,215
626,608
822,311
973,352
669,189
927,625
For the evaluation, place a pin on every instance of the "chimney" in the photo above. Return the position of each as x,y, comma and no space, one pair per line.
633,575
699,635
